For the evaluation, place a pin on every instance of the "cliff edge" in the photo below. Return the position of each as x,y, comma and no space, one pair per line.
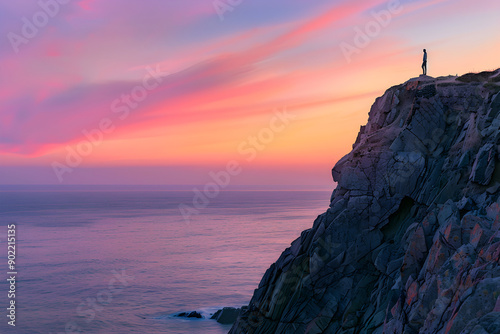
411,241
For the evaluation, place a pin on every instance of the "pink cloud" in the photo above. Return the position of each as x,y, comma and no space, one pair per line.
51,97
49,120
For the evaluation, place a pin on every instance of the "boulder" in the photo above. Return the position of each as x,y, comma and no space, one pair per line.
192,314
226,316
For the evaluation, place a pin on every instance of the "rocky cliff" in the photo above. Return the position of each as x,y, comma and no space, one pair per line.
411,241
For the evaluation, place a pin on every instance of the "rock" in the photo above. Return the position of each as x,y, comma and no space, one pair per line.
480,301
478,236
484,165
465,204
192,314
226,316
493,189
410,242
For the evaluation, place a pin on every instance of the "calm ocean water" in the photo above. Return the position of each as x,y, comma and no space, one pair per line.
125,261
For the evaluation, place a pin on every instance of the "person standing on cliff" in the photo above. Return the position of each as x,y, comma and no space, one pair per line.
424,63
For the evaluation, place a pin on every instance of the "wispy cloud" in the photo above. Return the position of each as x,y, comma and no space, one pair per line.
264,55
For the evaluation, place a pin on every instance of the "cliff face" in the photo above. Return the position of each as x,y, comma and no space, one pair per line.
411,241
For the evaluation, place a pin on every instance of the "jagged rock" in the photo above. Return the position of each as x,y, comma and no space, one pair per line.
192,314
480,300
484,165
411,240
226,316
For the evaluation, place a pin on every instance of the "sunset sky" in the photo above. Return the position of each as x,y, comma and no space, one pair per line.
164,91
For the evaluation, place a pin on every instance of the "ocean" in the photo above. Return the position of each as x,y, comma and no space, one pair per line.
105,261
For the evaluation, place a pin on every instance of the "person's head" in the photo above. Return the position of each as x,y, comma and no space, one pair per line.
425,50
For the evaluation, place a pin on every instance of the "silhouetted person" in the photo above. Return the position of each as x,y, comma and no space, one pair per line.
424,64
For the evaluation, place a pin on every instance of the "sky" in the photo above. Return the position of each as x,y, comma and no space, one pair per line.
181,92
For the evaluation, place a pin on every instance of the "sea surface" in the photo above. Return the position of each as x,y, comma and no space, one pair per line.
125,261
